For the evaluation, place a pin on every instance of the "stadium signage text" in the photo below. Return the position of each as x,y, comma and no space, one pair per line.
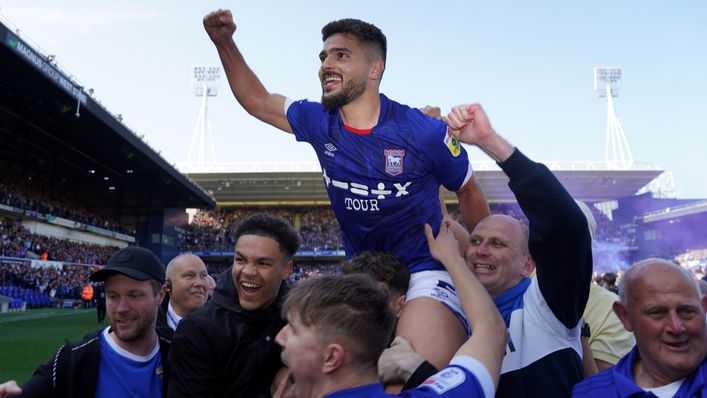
45,67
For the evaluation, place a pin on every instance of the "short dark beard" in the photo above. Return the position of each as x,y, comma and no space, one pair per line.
353,89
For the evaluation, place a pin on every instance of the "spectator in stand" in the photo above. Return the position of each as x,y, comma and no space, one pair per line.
661,304
306,270
17,241
18,191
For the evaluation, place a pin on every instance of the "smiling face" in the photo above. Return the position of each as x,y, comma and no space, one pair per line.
189,284
498,253
666,313
345,70
259,267
132,307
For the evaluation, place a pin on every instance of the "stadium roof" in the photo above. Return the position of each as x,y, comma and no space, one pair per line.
54,132
298,183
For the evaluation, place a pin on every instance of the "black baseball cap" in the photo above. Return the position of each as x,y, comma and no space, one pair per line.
135,263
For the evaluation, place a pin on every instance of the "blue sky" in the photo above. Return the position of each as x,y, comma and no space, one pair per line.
529,63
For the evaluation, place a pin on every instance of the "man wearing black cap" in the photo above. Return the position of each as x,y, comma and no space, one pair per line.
126,359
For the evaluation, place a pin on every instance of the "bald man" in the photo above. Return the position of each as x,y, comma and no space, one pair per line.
187,284
661,303
543,314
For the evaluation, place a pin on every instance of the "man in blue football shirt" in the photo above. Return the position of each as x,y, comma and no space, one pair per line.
382,164
339,325
543,314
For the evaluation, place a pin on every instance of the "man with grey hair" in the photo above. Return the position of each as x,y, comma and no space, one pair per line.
661,304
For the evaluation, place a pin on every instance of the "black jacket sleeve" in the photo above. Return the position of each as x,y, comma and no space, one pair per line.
191,366
44,381
422,373
559,240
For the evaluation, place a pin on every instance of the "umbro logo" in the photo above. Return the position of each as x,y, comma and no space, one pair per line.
330,148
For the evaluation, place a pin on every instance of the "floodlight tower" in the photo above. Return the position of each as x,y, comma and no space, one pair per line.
617,153
205,82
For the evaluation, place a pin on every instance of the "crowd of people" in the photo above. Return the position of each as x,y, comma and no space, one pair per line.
18,241
20,191
400,315
62,283
210,230
693,259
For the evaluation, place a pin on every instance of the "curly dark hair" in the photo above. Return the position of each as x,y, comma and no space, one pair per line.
383,267
367,34
270,226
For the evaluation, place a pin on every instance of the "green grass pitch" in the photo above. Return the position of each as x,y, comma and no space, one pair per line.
30,338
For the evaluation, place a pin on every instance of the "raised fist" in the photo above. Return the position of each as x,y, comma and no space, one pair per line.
220,26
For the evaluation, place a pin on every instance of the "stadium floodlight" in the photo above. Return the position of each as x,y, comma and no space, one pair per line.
617,153
206,79
607,78
205,82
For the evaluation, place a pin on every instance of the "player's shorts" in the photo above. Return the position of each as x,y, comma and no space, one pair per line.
438,285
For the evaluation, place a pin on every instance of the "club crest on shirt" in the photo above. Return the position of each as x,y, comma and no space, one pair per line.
452,143
394,160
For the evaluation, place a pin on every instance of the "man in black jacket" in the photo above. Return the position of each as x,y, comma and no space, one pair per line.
543,314
227,347
128,358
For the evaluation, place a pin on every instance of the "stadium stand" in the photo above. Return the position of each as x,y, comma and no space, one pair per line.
71,164
18,191
18,241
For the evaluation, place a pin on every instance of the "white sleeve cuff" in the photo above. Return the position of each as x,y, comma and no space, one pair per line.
469,173
288,102
477,369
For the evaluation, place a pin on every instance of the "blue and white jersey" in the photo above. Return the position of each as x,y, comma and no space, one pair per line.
383,184
465,377
123,374
543,356
618,382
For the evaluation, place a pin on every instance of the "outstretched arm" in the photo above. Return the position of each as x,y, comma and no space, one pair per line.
245,85
559,241
488,339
